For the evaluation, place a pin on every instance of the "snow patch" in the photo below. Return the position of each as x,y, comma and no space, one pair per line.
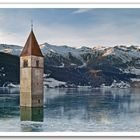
62,65
132,70
11,85
116,85
52,83
135,79
82,66
108,52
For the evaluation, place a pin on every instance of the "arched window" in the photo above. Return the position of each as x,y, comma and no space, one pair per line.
25,63
37,63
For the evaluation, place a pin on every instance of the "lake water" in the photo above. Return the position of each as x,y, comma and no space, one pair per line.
73,110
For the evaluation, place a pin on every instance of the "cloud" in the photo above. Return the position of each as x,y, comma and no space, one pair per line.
82,10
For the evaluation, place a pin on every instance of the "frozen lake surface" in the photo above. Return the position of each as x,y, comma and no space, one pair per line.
81,110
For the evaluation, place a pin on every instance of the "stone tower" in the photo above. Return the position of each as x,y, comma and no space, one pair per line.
31,74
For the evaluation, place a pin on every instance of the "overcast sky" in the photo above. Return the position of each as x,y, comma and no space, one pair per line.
73,27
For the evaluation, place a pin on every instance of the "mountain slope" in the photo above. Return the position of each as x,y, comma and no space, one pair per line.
9,69
81,66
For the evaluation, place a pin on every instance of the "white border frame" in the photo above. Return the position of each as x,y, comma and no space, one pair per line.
69,1
71,4
68,134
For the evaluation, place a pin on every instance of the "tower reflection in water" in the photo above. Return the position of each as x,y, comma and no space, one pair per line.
31,114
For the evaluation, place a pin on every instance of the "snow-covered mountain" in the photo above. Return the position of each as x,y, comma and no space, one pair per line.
10,49
128,57
95,66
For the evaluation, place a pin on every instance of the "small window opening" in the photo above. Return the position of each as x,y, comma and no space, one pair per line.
38,101
25,63
37,63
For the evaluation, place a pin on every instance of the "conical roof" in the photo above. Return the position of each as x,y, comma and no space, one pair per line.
31,47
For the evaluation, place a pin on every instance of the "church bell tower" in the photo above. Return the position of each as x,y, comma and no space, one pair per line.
31,74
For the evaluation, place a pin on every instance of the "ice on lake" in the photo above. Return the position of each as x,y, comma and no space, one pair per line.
75,110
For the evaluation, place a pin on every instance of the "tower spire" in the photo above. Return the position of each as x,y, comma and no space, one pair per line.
31,47
31,25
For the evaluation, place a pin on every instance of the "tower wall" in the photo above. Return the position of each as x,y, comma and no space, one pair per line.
31,81
37,81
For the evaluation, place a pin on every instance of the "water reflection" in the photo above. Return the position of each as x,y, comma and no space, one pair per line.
97,106
74,110
9,90
31,114
90,101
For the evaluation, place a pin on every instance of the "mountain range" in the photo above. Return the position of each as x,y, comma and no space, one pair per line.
95,66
